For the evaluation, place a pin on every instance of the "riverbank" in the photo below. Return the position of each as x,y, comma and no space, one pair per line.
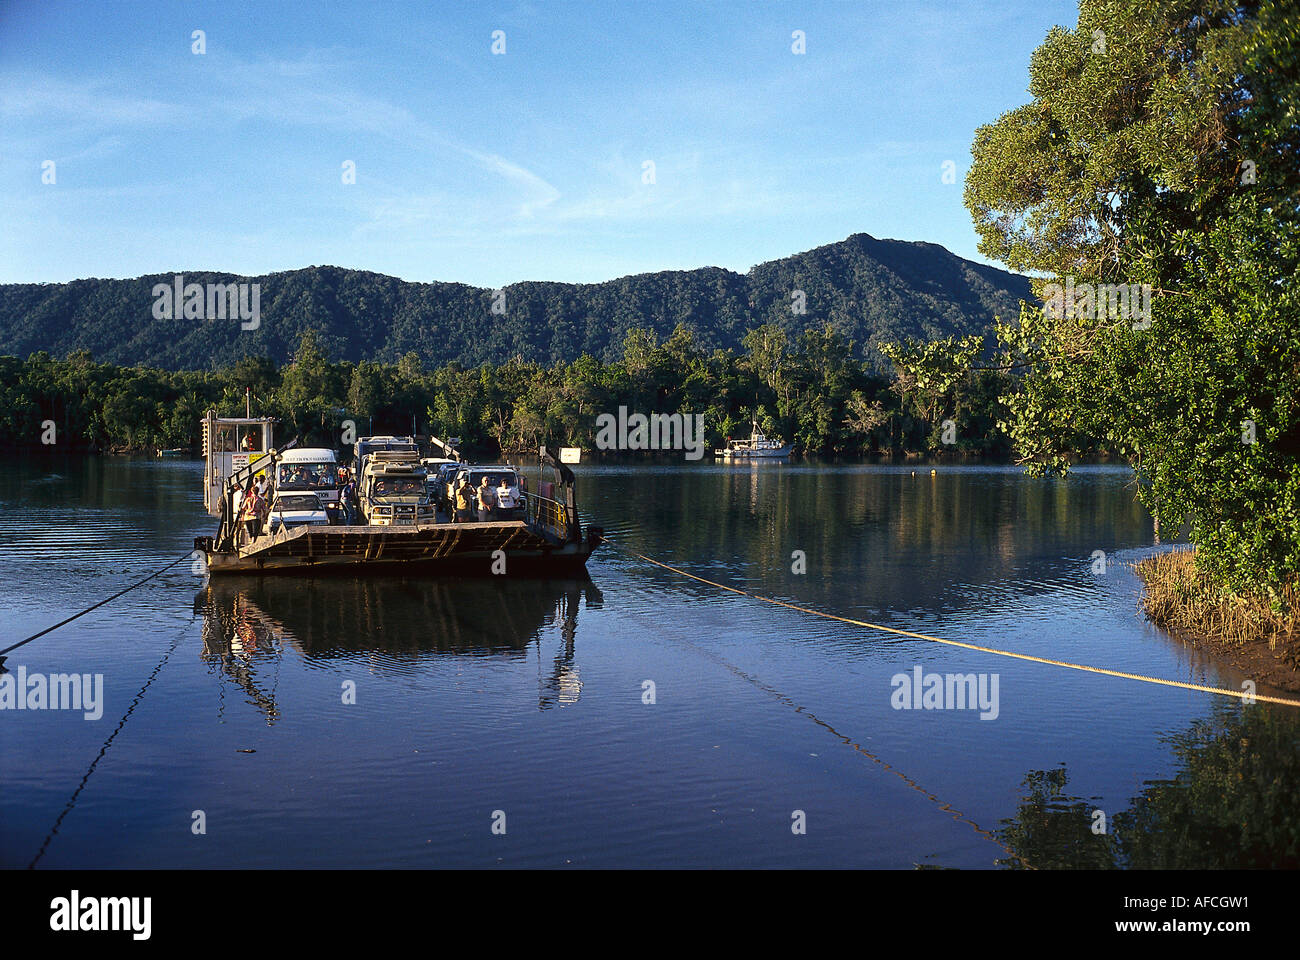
1247,630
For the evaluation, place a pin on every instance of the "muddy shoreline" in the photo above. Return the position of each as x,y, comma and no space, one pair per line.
1245,632
1256,660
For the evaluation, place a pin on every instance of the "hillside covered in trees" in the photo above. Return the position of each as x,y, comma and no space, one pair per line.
869,291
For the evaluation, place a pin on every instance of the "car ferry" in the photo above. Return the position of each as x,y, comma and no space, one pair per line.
548,539
757,446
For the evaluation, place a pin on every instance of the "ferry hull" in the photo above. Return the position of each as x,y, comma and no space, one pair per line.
459,548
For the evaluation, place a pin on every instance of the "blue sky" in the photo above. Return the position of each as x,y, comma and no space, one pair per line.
483,168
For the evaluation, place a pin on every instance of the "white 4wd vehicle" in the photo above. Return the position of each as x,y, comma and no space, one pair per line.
290,510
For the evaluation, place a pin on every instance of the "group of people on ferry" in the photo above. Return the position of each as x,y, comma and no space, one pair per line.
490,500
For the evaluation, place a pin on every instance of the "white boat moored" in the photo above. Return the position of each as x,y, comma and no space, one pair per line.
757,446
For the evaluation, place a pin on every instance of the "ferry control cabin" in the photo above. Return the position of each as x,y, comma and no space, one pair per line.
302,522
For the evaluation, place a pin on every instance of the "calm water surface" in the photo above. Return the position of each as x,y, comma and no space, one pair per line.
528,697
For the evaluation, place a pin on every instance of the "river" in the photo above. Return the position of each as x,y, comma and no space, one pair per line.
638,719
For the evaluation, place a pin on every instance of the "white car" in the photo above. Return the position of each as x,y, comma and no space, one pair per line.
291,510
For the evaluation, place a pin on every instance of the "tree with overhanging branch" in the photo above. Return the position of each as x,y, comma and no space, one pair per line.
1160,147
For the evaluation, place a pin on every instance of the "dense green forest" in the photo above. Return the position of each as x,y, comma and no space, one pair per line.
809,390
870,291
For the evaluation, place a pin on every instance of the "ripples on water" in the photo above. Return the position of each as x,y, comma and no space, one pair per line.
530,696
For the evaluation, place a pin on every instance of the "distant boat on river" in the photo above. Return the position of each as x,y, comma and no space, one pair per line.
757,446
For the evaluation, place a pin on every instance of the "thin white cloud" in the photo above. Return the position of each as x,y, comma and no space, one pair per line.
45,97
297,92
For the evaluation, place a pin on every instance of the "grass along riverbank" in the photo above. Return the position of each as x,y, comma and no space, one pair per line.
1259,635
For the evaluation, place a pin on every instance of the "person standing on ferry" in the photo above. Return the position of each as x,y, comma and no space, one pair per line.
464,498
250,513
507,498
487,499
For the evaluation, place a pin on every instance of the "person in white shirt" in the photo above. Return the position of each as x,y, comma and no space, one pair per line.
507,498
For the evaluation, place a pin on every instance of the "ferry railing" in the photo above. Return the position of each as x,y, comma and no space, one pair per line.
551,515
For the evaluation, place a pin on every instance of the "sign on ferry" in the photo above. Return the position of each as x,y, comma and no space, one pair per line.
241,460
570,454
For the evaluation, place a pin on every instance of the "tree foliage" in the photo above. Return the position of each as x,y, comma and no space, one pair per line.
1160,148
810,391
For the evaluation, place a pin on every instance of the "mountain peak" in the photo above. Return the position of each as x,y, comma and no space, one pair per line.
870,290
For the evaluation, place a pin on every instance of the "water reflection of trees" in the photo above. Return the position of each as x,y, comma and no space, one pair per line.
250,623
1232,804
875,526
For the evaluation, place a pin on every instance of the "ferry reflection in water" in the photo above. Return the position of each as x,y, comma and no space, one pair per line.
249,624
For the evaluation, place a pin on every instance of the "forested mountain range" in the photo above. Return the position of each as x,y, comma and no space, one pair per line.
871,291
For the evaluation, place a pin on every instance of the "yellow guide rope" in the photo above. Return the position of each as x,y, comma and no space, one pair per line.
1239,694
